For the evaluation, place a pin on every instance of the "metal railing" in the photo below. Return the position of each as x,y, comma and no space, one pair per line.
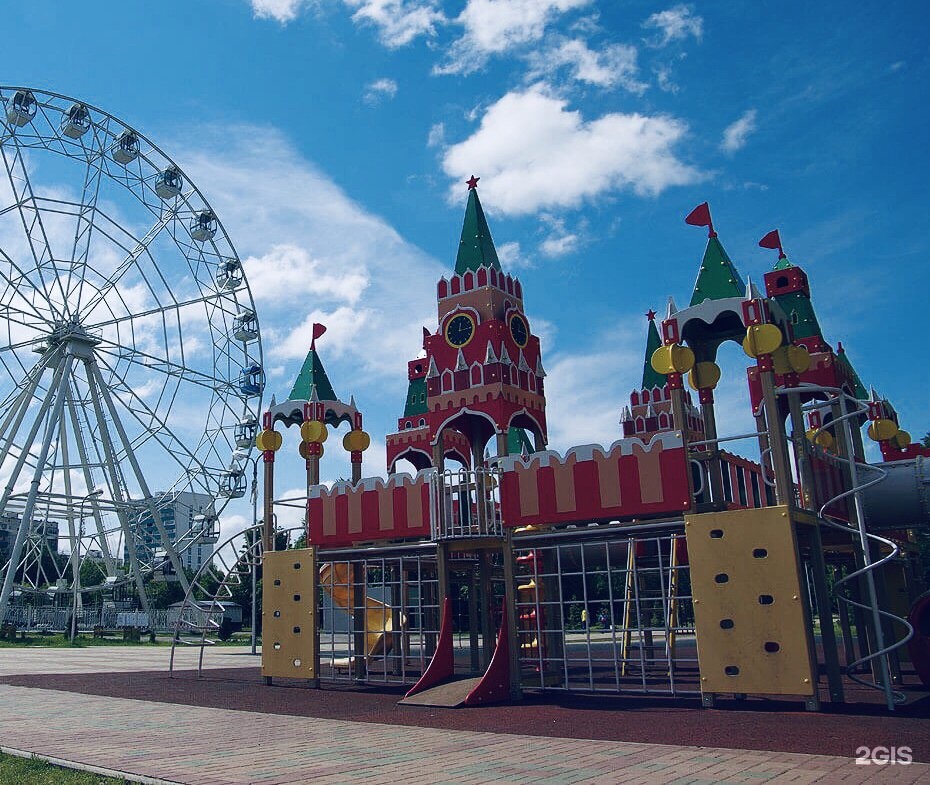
465,504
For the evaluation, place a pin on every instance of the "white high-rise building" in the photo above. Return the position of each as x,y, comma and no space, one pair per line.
179,518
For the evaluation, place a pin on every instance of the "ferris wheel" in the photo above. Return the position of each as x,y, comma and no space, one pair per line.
130,355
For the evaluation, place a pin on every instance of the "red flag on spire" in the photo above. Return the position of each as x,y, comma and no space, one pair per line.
773,240
700,216
318,330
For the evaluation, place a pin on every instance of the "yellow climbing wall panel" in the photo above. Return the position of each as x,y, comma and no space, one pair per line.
289,614
749,612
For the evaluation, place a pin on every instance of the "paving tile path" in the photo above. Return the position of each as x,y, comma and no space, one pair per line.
210,746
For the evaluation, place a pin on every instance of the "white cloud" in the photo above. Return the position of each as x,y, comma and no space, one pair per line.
379,90
313,254
560,240
493,27
534,153
398,21
287,273
614,66
675,24
597,382
664,79
282,11
511,257
736,134
437,135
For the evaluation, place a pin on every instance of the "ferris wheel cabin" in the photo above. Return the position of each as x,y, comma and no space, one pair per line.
229,274
168,183
126,148
21,109
203,226
76,121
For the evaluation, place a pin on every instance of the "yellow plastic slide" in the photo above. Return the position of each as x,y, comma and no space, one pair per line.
334,579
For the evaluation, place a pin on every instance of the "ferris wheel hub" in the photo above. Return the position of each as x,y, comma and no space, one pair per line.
78,341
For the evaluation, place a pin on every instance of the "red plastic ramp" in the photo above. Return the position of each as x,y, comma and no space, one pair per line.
438,688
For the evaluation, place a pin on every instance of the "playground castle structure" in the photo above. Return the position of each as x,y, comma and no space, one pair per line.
662,563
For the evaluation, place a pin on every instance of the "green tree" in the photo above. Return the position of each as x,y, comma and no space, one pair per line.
926,440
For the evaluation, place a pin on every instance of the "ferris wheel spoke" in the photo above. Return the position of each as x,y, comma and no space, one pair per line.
130,261
33,226
83,230
14,283
174,445
179,305
159,364
94,373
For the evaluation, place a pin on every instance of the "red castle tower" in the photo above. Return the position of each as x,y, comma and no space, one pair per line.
481,373
650,409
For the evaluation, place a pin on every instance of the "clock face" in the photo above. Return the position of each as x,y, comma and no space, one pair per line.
519,330
460,329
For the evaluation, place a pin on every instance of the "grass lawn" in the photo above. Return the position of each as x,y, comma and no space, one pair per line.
27,771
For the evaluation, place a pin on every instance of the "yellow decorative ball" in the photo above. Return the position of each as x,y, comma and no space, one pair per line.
356,441
799,358
269,440
901,440
882,430
823,439
672,358
704,376
761,339
314,431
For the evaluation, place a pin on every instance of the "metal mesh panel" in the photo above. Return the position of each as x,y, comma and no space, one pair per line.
380,618
607,615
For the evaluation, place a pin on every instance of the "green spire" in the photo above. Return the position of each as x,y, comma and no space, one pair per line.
518,442
416,398
858,387
799,309
718,277
476,248
312,373
651,378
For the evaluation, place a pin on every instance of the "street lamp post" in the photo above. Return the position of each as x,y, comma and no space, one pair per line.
252,546
77,558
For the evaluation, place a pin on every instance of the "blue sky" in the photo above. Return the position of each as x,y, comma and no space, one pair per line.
333,137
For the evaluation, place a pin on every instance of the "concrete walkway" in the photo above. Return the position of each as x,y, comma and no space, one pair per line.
208,746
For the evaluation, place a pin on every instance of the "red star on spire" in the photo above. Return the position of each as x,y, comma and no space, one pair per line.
651,315
472,182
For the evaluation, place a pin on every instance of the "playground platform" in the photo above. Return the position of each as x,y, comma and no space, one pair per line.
116,710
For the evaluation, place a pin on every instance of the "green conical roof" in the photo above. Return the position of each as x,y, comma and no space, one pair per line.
859,388
416,398
718,277
518,442
798,308
476,248
312,373
651,378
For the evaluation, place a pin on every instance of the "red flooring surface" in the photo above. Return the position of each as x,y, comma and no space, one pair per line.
757,724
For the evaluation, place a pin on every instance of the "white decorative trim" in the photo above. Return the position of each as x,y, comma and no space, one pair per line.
668,440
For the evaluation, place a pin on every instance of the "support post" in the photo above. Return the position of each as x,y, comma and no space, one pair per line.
715,470
680,418
510,620
784,488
